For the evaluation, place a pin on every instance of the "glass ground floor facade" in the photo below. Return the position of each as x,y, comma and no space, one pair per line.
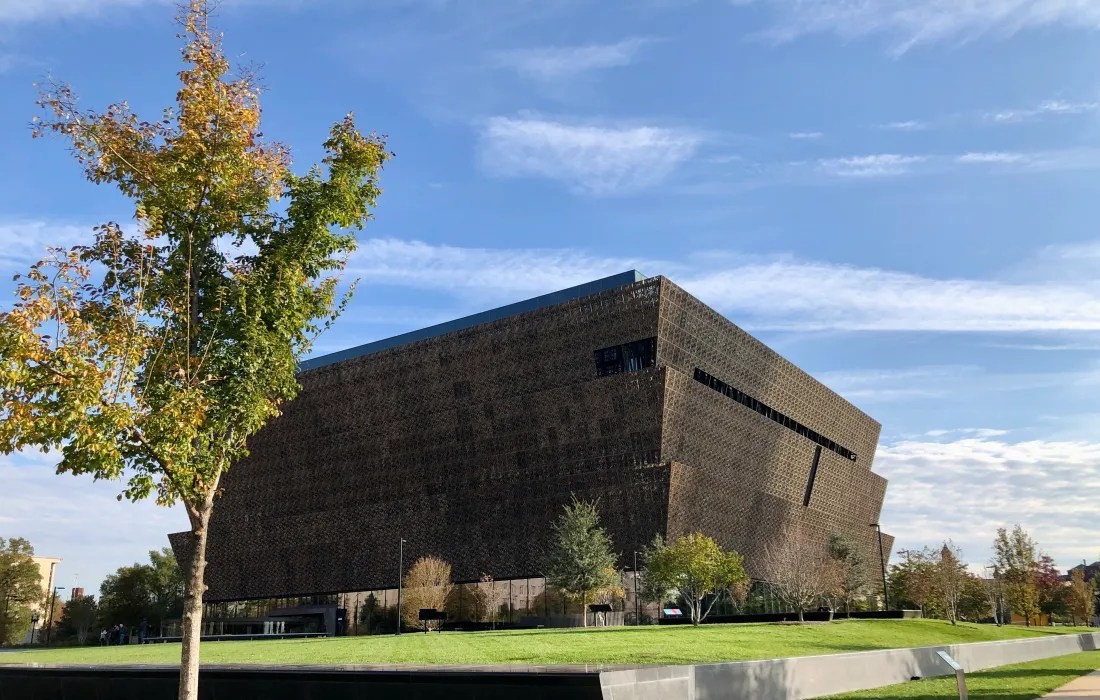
524,602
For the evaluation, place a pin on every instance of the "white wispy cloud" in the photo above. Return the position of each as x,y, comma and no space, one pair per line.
894,164
992,157
559,62
938,382
25,242
493,274
805,135
910,125
877,165
1089,249
965,489
909,23
1045,108
817,296
78,519
596,159
971,432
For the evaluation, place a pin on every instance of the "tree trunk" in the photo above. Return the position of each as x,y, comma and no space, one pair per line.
800,618
584,608
192,607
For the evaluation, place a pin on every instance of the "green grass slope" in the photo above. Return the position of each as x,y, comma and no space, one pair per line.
1019,682
620,645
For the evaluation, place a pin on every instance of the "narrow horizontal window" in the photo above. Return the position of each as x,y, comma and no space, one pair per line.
768,412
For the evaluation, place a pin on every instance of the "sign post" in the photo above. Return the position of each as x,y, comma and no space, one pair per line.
960,675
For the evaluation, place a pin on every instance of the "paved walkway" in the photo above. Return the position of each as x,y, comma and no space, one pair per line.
1084,687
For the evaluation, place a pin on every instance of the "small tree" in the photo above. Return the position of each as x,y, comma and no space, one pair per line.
973,600
427,585
853,579
913,580
154,357
582,561
492,597
20,587
949,576
692,568
739,595
799,569
1082,599
1053,593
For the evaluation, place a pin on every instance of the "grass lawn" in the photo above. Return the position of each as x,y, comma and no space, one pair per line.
619,645
1020,682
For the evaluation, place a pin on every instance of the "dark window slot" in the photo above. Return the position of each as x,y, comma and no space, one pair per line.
813,475
768,412
629,357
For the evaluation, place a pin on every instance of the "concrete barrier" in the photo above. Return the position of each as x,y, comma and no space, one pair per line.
818,676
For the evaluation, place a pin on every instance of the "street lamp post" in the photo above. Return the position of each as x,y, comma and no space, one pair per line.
400,572
637,608
882,565
34,623
49,616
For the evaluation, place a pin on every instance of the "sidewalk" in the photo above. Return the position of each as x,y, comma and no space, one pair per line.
1084,687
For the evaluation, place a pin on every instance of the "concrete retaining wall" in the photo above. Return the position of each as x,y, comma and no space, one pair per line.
818,676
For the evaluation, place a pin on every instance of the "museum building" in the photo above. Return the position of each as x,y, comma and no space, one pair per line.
466,439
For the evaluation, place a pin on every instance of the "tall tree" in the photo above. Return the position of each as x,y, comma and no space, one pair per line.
582,561
152,592
950,578
78,618
853,578
995,595
912,580
692,568
20,588
152,357
973,602
1054,596
167,588
125,596
1082,596
799,569
1015,558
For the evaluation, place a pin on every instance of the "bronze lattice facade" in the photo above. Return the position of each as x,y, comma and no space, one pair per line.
466,441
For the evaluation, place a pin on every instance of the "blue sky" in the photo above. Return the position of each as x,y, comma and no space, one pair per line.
901,196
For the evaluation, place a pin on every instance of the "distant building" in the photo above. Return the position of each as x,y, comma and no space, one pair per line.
466,439
46,568
1091,571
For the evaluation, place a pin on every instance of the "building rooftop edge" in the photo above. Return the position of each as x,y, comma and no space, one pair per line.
562,295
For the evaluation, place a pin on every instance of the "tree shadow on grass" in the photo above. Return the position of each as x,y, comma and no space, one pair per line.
1068,673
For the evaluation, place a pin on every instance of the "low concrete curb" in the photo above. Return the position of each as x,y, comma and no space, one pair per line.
818,676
